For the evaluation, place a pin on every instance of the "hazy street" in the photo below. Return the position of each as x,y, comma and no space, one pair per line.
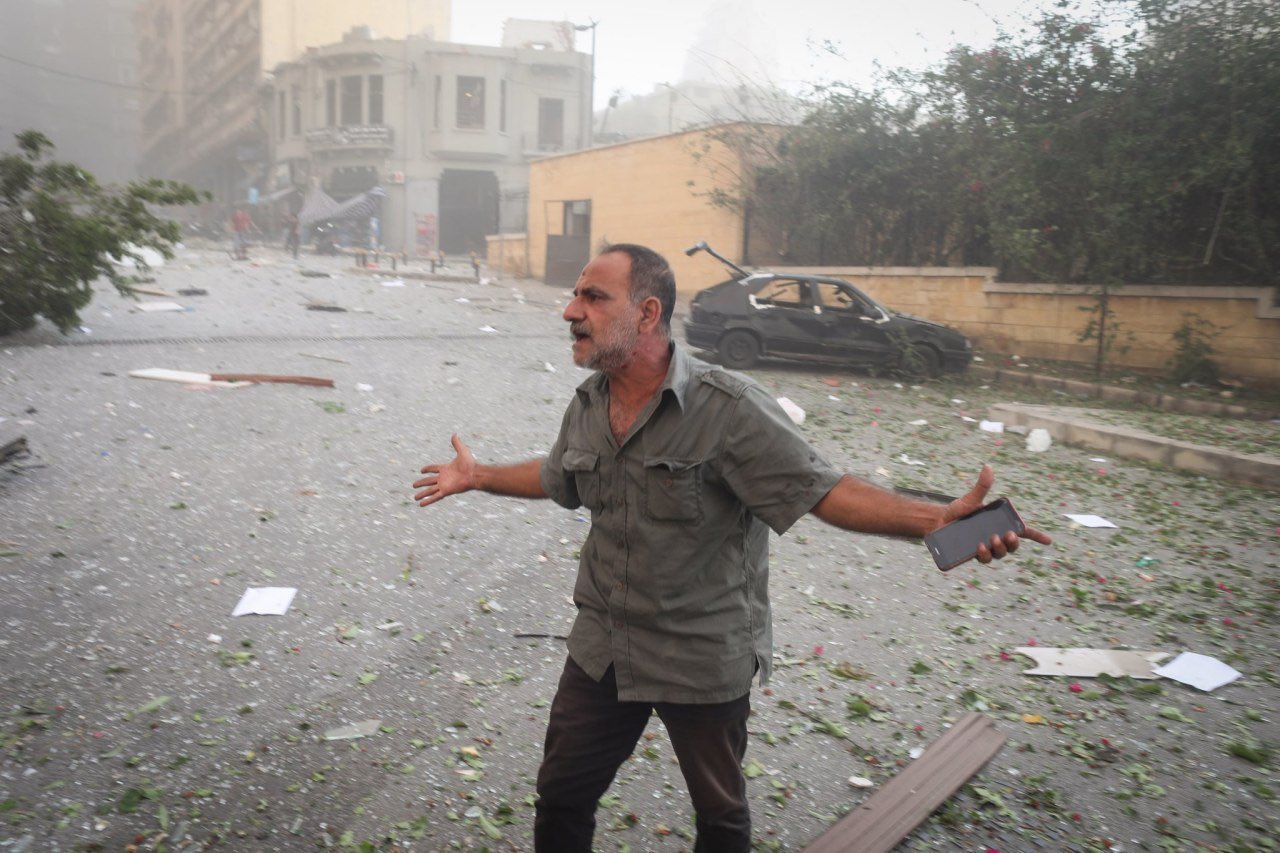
137,710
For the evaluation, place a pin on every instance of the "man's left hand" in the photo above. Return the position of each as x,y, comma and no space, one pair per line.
1000,546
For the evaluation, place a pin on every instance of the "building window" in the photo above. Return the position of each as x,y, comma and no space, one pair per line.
502,106
297,110
375,99
330,103
550,123
435,104
352,110
471,102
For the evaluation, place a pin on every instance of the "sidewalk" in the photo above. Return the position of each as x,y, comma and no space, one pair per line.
1074,426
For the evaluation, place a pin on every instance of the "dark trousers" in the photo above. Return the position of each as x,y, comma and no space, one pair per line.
591,733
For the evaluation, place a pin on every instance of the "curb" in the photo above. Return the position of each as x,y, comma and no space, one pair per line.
1248,468
1082,388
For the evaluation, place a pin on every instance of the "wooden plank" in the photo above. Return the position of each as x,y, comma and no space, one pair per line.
890,815
317,381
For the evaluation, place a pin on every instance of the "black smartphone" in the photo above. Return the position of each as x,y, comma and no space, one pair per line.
958,541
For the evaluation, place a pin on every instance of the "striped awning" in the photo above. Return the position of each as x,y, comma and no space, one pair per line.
316,207
362,206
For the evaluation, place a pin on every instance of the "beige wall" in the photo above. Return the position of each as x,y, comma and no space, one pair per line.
291,26
641,192
1044,320
508,254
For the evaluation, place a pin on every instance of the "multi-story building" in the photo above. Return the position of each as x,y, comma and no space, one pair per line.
67,69
445,130
690,104
202,62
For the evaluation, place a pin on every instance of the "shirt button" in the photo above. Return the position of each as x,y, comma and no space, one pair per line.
617,623
619,585
668,482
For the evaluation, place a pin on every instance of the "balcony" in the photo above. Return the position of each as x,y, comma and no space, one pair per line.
351,137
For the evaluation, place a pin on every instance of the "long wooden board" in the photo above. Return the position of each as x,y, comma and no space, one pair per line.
907,799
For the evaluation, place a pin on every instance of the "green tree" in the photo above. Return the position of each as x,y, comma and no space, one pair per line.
1106,142
60,231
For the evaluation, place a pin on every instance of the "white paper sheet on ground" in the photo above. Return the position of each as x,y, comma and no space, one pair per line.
393,282
1090,663
1200,671
160,306
186,377
354,731
991,426
793,411
1089,520
265,601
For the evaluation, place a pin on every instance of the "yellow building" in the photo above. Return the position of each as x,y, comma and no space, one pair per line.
203,62
657,192
650,191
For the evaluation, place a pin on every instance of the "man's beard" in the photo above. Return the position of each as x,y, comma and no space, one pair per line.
610,351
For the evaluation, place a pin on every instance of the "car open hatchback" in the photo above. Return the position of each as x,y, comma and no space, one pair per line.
815,318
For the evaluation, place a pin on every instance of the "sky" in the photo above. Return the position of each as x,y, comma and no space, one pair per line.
642,44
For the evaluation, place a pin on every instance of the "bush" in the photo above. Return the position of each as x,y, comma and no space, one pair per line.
1191,360
60,231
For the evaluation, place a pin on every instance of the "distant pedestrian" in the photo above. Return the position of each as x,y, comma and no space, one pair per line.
241,222
292,234
475,265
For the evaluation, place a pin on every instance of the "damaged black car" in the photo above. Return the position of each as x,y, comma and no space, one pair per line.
814,318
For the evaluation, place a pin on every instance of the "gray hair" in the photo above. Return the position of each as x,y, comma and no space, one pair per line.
651,275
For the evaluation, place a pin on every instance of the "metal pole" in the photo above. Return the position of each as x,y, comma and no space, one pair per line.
591,93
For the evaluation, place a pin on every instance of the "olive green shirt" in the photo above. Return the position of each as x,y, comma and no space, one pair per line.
672,587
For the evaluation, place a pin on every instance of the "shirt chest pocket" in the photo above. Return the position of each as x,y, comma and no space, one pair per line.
673,490
584,467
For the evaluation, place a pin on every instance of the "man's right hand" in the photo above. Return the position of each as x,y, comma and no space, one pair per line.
449,479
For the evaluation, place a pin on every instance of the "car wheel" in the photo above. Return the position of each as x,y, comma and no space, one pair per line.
922,361
739,349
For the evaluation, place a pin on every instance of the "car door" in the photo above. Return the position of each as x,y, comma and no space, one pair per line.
784,314
856,328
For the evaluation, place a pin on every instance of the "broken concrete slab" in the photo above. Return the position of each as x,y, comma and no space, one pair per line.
185,377
354,731
316,381
1090,663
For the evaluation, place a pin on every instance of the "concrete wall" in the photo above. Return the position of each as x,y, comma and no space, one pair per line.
646,191
508,254
1044,320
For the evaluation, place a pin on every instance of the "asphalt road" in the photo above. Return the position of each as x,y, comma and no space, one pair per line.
137,710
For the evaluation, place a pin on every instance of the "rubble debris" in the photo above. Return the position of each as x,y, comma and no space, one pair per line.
1200,671
1088,520
151,307
153,291
317,381
354,731
193,291
16,449
324,306
890,815
1091,663
265,601
1039,440
793,411
184,376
